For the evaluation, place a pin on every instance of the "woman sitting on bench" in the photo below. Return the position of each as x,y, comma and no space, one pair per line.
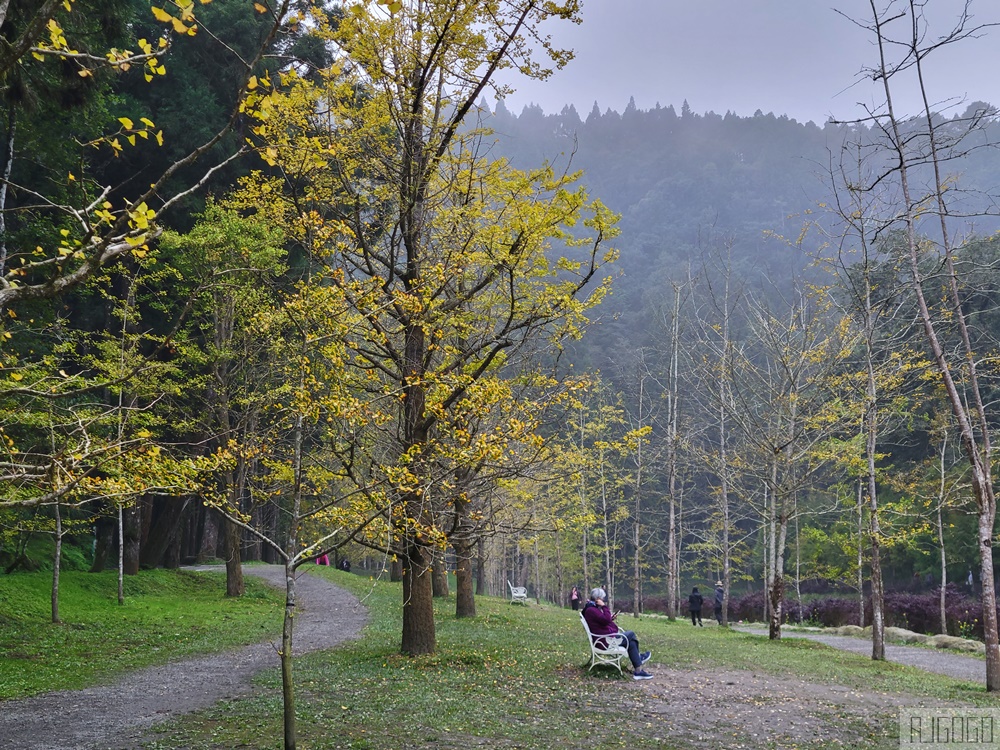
602,622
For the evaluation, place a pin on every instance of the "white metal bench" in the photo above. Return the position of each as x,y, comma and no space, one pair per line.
606,649
518,593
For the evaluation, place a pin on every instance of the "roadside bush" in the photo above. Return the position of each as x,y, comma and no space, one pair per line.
918,612
656,604
832,611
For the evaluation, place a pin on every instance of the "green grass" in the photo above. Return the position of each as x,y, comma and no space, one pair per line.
166,614
515,677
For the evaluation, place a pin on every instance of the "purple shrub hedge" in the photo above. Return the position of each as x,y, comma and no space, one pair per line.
919,612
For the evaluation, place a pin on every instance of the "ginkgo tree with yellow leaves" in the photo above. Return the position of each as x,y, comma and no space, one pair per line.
455,266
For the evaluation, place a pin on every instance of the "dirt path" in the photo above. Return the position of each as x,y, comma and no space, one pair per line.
957,665
115,716
716,707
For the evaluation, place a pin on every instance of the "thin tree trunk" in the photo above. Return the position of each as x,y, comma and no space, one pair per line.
942,600
673,395
8,164
636,526
861,553
121,555
943,604
538,576
798,574
287,676
56,565
291,549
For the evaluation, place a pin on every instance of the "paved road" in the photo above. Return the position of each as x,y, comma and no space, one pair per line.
950,663
116,716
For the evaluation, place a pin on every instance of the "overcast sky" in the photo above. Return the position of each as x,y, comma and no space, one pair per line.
794,57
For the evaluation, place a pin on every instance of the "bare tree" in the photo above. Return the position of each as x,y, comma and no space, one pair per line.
909,148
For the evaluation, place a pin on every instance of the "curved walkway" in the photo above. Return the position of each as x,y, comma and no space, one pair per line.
957,665
119,714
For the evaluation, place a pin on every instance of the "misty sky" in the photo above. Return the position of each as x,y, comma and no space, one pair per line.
794,57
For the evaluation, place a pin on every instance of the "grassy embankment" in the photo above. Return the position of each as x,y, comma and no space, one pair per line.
515,677
166,614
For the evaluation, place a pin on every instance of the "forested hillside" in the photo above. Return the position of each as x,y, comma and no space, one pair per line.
690,182
288,289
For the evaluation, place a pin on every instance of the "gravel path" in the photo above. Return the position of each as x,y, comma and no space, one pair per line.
941,661
116,716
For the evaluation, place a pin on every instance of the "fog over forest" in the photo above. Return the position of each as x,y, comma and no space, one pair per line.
687,184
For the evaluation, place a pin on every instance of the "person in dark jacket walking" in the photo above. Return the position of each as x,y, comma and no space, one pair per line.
600,620
719,596
574,599
694,605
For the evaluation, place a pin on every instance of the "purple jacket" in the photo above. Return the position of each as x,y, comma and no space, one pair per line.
599,619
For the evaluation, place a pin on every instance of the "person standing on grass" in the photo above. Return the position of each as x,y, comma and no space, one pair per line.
601,621
719,596
694,605
574,599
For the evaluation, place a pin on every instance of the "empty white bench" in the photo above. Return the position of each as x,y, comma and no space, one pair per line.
607,649
518,593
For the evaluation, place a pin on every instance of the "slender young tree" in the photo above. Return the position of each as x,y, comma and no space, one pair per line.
913,145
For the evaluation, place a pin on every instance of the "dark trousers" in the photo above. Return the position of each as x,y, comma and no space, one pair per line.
695,613
633,648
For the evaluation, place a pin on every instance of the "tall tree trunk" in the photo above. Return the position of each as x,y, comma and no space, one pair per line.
232,536
560,583
418,603
163,531
538,576
207,544
481,567
465,601
132,529
439,574
105,531
777,591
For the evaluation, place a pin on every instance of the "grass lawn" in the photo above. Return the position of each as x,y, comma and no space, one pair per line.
166,614
515,677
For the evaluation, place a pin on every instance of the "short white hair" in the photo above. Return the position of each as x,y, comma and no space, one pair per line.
599,594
